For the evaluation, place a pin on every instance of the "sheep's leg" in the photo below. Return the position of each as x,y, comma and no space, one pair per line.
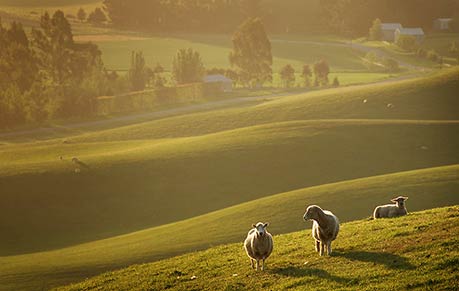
252,263
263,265
329,248
317,246
322,248
258,264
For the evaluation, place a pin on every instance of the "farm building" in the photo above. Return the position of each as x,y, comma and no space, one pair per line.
441,23
388,30
227,83
417,32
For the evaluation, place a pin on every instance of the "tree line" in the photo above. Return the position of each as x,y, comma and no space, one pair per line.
346,17
46,74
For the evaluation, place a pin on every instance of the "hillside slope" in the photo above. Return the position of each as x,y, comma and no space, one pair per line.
132,185
431,97
349,200
415,252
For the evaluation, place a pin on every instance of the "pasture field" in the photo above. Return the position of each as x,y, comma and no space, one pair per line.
414,252
349,200
215,49
326,147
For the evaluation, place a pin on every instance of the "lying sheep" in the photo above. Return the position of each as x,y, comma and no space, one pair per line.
325,227
258,245
391,210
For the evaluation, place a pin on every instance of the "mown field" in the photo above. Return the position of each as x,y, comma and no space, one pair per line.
189,173
415,252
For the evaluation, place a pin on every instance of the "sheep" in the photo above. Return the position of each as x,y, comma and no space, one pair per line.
79,164
391,210
325,227
258,245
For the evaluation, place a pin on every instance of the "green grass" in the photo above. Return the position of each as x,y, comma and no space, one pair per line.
218,159
415,252
214,50
221,163
349,200
427,98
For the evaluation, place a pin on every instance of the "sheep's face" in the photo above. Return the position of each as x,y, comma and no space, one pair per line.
400,201
260,228
311,212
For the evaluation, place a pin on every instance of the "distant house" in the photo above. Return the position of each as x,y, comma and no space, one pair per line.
388,30
441,23
227,83
417,32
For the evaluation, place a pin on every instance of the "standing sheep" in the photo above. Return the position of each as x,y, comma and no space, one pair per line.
325,227
391,210
258,244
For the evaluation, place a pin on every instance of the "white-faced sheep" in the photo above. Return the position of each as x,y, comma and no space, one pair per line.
258,245
325,227
391,210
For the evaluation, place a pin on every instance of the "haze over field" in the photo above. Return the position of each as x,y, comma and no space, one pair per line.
148,136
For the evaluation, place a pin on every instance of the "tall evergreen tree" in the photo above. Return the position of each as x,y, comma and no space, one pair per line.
375,32
251,53
187,66
137,74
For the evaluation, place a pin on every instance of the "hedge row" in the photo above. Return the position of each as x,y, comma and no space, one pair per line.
150,99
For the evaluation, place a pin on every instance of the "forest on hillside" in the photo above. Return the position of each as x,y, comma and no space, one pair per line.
350,17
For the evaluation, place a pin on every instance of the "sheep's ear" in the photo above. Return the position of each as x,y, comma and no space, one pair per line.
266,224
254,226
393,200
406,198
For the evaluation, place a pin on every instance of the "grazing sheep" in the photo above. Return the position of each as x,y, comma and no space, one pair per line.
258,244
79,163
391,210
325,227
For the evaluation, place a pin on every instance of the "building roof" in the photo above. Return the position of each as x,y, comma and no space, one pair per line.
390,26
411,31
444,19
216,78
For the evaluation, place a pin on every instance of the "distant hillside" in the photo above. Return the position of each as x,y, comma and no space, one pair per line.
428,98
349,200
416,252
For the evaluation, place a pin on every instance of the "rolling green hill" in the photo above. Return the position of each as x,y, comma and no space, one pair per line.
164,176
426,188
415,252
132,185
426,98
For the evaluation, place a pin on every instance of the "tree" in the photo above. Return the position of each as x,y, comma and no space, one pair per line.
391,65
321,71
335,82
251,53
97,16
187,66
407,42
375,32
306,74
287,75
81,15
137,73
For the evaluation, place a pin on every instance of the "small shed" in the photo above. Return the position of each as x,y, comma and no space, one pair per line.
227,83
388,30
416,32
442,23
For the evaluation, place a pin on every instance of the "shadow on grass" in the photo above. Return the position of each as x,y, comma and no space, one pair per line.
389,260
293,271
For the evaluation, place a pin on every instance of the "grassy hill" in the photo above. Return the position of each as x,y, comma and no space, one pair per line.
416,252
427,98
152,175
349,200
132,185
219,159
